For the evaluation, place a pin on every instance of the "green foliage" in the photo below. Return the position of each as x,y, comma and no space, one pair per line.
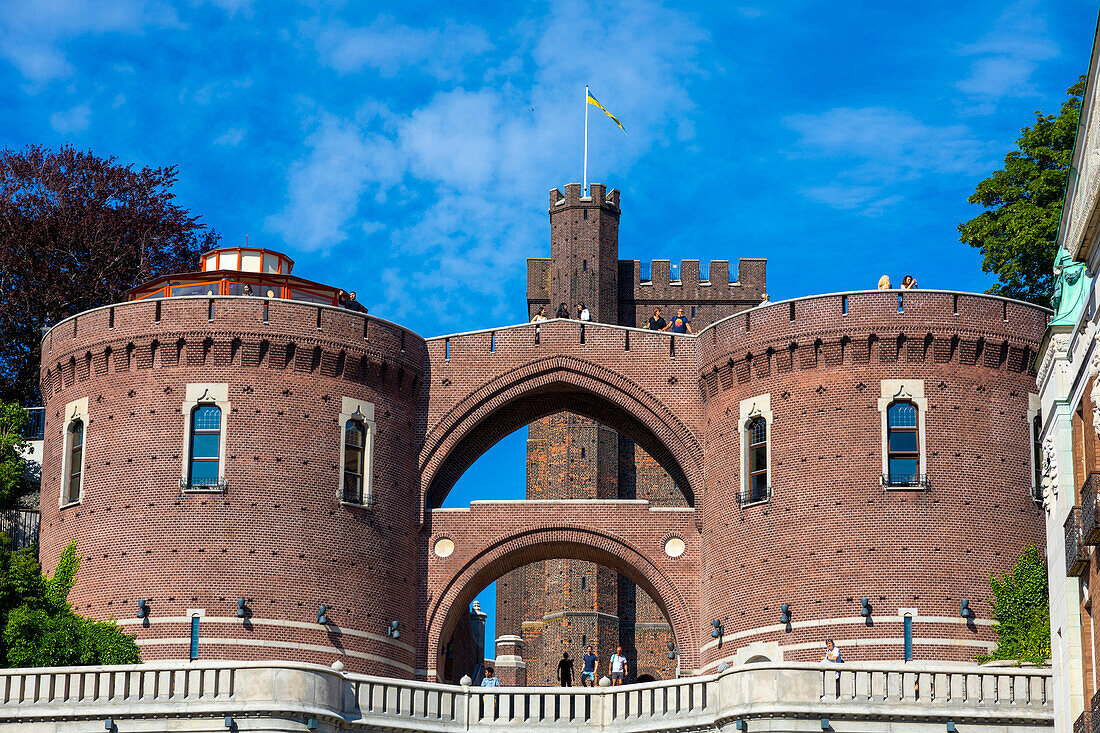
12,420
40,628
1021,608
1023,203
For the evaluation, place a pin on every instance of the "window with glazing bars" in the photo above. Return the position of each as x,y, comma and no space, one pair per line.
355,441
76,455
903,444
758,459
206,429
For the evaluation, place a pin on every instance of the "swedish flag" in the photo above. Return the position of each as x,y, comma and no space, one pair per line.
592,100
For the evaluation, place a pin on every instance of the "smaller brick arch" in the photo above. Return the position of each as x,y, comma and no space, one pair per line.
545,387
460,588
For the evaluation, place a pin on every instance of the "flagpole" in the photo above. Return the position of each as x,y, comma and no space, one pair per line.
584,189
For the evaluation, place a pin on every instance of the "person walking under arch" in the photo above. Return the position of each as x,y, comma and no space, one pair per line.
588,672
565,670
617,666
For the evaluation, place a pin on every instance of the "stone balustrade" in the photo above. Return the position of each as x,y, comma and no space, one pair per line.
281,696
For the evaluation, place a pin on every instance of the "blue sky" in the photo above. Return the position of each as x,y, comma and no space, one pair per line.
405,150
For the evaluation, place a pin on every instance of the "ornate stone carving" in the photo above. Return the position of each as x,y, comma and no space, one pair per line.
1050,473
1071,287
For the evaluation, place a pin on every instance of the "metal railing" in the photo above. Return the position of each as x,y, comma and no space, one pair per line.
756,495
914,481
1077,558
35,429
645,272
1090,529
21,527
704,271
204,486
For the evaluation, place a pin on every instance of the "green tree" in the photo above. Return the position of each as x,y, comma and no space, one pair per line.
1023,201
40,628
12,420
1021,608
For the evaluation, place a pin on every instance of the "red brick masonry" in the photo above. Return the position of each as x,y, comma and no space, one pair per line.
280,538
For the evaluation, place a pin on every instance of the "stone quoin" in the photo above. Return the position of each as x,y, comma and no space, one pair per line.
804,455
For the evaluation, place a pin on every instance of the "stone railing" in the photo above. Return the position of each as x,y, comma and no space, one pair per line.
255,694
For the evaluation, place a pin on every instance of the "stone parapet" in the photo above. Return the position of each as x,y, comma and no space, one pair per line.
270,696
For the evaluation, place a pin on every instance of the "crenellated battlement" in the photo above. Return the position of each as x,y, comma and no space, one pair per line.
230,332
574,196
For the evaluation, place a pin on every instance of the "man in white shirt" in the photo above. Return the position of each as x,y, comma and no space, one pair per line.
617,667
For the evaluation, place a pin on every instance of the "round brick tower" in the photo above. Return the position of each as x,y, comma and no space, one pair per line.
234,464
894,468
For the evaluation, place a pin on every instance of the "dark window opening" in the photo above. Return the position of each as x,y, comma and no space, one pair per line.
355,442
76,458
902,444
757,460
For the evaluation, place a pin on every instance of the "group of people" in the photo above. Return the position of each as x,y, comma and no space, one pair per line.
616,669
679,323
907,283
583,314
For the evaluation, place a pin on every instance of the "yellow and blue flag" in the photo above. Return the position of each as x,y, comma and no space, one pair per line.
592,100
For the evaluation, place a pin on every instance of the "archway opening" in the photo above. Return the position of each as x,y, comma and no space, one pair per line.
563,456
549,608
458,447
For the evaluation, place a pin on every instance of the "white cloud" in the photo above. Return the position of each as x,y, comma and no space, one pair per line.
231,137
880,149
389,47
481,158
32,34
1007,56
75,119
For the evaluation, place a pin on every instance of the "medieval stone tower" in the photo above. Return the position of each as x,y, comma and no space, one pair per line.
564,605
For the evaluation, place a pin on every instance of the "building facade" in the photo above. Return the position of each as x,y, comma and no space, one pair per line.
257,477
1066,424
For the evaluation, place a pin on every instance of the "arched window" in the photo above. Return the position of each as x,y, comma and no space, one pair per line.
903,444
206,433
757,431
76,461
355,442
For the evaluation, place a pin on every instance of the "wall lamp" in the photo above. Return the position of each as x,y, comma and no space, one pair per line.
311,723
825,724
865,612
951,727
322,615
671,650
740,724
784,613
229,722
964,610
392,631
143,609
108,724
240,608
718,630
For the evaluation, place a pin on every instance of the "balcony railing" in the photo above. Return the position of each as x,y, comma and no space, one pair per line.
1077,556
204,486
35,428
913,481
645,272
756,495
1090,528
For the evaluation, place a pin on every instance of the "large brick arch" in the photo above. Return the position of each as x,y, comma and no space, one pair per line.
457,589
545,387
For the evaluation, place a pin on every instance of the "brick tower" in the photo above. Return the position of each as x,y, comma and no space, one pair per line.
564,605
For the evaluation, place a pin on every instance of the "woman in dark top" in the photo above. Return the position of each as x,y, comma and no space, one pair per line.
656,323
563,311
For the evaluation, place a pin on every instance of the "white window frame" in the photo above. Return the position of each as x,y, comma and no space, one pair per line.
752,408
363,411
195,395
1034,410
75,410
903,390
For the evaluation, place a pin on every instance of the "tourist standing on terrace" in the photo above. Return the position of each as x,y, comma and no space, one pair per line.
563,311
565,670
656,322
680,324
